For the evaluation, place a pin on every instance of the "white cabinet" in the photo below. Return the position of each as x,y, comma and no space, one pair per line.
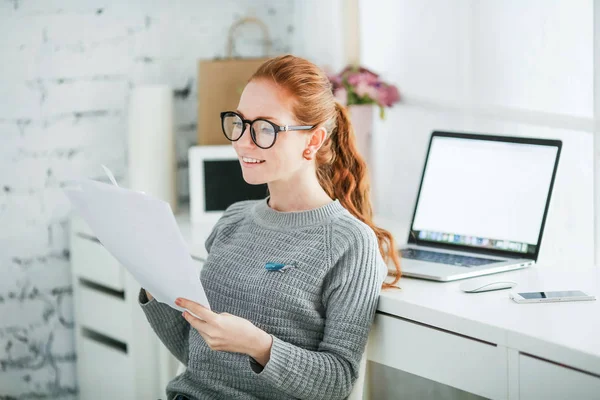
452,359
119,355
103,312
540,379
92,262
104,370
473,365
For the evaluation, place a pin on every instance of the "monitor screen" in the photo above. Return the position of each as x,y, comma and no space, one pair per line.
485,193
224,185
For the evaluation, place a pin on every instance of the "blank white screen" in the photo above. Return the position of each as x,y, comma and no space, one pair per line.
487,189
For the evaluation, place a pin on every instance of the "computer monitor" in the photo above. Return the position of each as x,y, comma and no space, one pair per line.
216,182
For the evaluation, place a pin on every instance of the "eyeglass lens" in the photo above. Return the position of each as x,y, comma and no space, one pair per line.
262,132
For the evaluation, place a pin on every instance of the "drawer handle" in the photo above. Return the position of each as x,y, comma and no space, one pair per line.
88,237
120,294
437,328
104,340
559,364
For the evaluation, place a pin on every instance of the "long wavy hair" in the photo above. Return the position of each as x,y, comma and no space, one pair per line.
341,170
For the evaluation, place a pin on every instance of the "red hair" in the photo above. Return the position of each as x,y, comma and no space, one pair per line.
341,170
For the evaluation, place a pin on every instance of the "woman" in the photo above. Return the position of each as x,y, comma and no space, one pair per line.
292,280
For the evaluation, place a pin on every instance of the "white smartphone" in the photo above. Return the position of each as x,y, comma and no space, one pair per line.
543,297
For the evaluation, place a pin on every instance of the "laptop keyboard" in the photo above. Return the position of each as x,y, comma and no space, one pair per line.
445,258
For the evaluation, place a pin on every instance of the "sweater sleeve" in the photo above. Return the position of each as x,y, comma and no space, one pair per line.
168,324
350,296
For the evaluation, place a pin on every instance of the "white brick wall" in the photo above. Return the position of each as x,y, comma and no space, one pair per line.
67,68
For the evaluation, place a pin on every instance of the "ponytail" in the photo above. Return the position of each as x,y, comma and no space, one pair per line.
344,177
348,173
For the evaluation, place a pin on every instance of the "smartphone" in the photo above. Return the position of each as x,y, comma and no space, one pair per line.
543,297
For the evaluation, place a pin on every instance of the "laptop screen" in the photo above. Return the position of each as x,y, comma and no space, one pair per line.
485,192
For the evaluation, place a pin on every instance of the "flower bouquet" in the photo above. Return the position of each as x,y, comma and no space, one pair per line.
358,86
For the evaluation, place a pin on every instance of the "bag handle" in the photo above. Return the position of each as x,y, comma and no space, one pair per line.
248,20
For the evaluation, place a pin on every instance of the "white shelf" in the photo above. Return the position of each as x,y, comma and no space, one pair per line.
119,355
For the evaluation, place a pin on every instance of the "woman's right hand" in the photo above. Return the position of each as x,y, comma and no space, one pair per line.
148,295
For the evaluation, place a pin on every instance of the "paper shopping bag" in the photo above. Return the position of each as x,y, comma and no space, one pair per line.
220,85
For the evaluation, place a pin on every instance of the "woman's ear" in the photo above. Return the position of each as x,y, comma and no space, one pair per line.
315,140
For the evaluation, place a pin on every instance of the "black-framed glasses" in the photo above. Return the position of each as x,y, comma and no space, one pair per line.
262,131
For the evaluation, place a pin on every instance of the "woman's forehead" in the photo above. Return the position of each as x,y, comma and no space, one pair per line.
262,98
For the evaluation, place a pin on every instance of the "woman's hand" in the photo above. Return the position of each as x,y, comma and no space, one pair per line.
226,332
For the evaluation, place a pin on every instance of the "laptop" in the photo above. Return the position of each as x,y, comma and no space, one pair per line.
481,207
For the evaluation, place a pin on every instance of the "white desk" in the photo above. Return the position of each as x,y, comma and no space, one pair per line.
484,343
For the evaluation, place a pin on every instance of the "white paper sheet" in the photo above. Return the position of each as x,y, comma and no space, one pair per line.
140,231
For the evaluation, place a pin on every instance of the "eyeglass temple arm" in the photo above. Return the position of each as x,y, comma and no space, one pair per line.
295,128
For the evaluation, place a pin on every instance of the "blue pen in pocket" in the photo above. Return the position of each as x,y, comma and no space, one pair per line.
270,266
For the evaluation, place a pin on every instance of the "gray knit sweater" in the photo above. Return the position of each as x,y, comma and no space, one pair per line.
318,312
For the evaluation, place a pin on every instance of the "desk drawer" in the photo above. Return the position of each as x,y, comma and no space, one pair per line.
91,261
103,311
539,379
104,371
452,359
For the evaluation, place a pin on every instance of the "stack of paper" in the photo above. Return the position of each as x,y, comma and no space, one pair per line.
140,231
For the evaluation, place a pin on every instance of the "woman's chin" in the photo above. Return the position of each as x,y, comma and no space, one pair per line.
253,178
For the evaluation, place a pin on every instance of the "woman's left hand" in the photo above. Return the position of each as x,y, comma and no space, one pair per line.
226,332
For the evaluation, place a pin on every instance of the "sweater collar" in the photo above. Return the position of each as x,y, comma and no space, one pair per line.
291,219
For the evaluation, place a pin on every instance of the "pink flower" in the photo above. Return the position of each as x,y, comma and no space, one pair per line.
350,71
363,77
388,95
341,95
336,81
355,79
358,85
364,89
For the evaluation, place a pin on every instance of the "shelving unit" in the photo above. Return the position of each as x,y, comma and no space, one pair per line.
119,356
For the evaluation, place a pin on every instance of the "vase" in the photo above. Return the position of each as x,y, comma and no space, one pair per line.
362,121
361,117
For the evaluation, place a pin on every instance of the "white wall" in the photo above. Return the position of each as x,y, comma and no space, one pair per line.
67,69
319,36
514,67
597,125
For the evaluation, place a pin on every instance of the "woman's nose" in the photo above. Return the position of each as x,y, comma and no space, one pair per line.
246,138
